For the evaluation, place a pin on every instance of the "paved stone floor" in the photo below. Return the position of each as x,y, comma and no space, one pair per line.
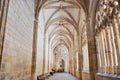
62,76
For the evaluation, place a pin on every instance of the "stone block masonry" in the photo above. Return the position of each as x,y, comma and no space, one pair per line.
17,52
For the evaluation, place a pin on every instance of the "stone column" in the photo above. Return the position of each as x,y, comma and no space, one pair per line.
70,65
98,53
49,58
110,50
106,50
117,42
101,52
91,50
103,48
92,58
79,57
34,51
44,55
3,20
114,52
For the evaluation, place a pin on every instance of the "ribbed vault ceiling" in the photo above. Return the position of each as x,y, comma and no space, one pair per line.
61,20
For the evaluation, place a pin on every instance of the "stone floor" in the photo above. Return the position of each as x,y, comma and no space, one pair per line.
62,76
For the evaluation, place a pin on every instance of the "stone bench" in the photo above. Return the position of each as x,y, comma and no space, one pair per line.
41,77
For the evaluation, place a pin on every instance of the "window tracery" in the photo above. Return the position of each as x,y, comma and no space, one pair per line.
107,35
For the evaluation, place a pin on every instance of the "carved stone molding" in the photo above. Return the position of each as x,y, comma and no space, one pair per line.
106,12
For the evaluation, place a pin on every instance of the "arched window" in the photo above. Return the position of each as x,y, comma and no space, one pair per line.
107,36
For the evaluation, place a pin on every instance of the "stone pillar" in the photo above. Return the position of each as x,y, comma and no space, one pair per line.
106,50
3,19
75,65
34,52
92,58
103,49
79,57
70,64
91,51
117,42
114,52
98,52
44,55
49,58
103,68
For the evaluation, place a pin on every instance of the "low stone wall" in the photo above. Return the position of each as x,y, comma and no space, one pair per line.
23,75
85,76
104,76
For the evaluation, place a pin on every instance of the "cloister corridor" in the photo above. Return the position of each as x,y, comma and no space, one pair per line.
62,76
59,39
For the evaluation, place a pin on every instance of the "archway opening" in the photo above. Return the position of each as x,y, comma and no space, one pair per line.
61,63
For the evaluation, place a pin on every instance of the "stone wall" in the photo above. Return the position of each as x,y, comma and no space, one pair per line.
104,76
17,51
86,76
